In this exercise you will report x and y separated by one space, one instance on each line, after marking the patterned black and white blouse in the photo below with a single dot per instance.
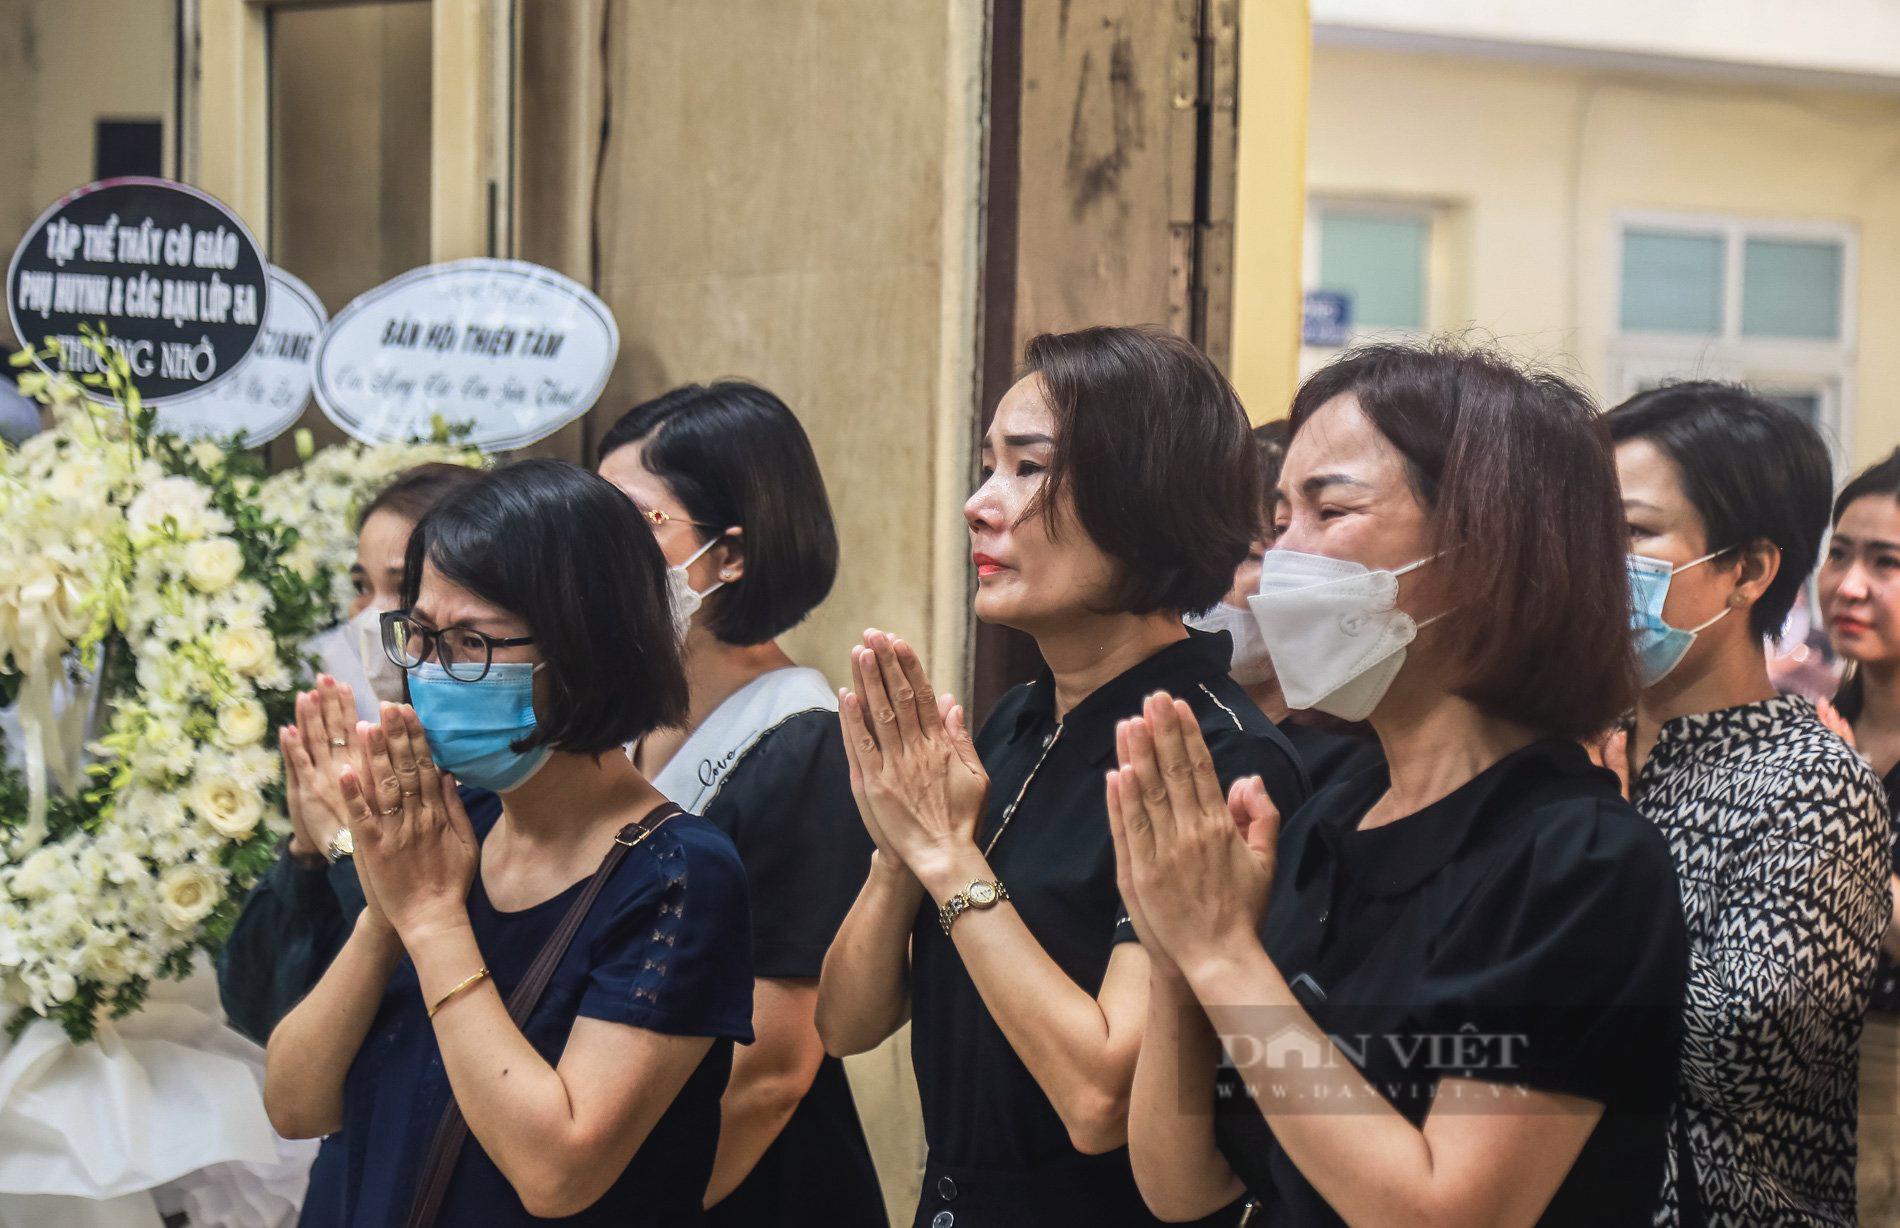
1780 836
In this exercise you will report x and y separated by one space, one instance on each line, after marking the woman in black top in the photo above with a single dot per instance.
991 917
1448 991
727 480
1859 590
537 637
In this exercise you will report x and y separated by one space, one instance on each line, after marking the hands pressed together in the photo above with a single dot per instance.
914 770
314 749
416 852
1195 868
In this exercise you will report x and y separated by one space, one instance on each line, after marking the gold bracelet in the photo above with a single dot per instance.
444 1000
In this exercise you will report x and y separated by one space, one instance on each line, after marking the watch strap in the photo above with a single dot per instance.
960 903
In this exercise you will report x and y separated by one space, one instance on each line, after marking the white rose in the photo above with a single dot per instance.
80 476
61 986
36 875
244 650
106 963
212 565
231 809
179 500
61 914
242 723
187 894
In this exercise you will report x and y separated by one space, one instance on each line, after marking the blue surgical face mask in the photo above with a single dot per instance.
472 726
1659 646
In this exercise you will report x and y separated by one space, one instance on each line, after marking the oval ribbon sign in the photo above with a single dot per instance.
509 349
173 275
268 393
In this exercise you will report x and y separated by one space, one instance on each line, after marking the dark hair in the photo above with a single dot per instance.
1880 480
736 455
1753 470
1270 440
1518 480
414 491
567 552
1153 447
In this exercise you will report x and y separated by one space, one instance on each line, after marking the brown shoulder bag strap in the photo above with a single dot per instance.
452 1131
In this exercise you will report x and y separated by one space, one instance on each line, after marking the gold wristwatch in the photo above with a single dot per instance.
979 894
341 845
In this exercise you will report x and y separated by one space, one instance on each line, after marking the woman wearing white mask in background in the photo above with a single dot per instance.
1329 749
299 914
726 478
1779 831
1462 973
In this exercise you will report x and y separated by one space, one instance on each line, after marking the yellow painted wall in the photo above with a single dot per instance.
1535 161
65 64
1269 202
789 194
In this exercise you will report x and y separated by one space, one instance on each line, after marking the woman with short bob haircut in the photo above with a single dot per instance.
565 982
300 913
1450 571
1779 832
1112 475
724 475
1859 591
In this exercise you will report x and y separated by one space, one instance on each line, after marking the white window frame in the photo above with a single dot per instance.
1823 368
1432 213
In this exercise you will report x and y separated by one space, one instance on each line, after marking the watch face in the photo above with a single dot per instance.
982 894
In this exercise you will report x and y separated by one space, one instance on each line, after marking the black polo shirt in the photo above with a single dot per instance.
1525 930
999 1153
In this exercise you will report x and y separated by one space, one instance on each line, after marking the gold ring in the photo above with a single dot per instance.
412 792
339 741
392 810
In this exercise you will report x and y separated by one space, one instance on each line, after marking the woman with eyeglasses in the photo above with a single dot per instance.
991 919
298 915
726 478
533 1017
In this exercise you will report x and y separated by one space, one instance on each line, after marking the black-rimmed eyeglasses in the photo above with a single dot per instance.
463 652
